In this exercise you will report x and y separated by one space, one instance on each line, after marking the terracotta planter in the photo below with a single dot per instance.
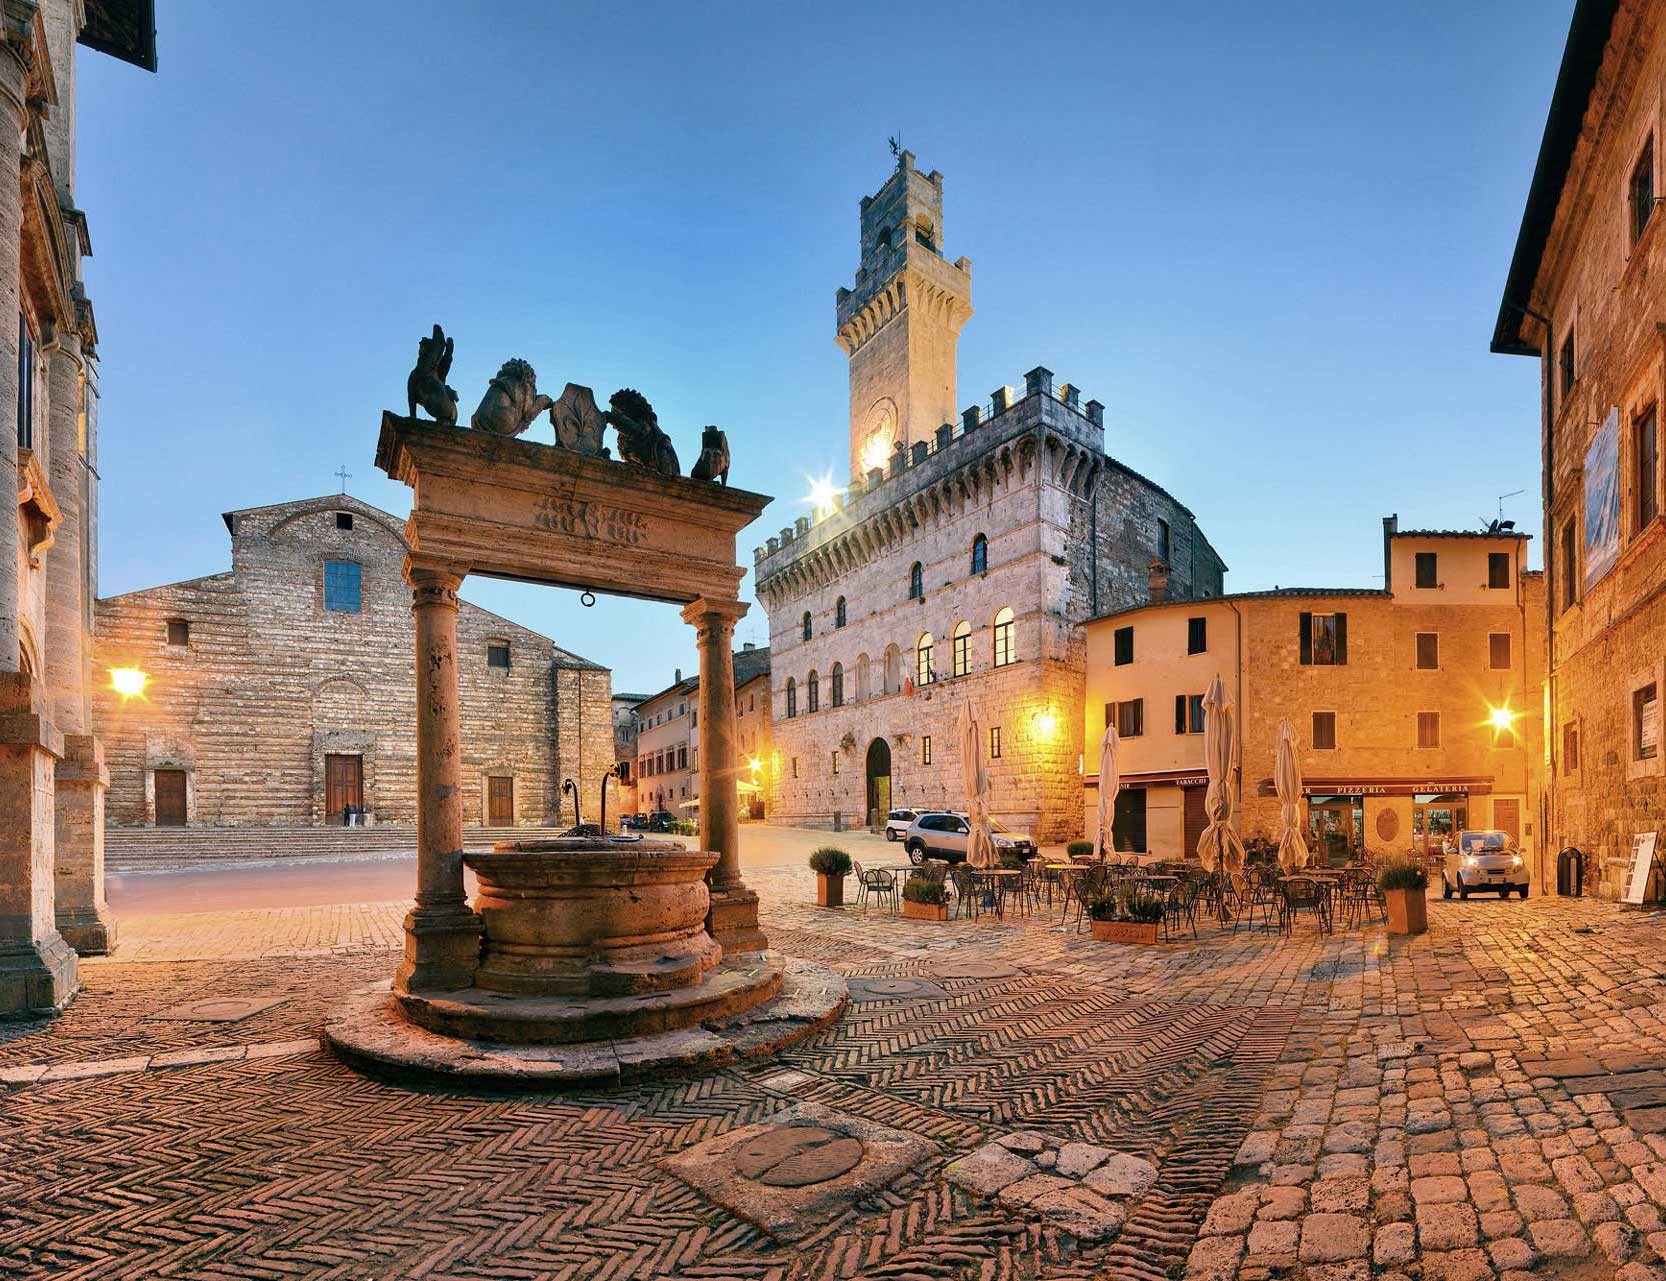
1124 931
925 911
1408 911
830 891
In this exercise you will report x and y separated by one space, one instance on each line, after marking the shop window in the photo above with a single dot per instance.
837 683
1188 713
839 612
925 671
1127 716
1123 641
1498 651
1570 748
179 631
1428 569
1645 723
1640 191
1006 651
1645 462
1322 639
916 582
497 654
980 554
961 648
1324 731
925 749
344 520
1498 569
1565 364
1197 635
341 586
994 742
1428 729
1570 564
1428 651
812 696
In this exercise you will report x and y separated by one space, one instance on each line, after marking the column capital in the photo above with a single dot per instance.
724 614
433 585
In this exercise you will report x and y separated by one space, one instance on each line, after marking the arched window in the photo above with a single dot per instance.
838 691
1005 650
980 554
814 685
862 691
962 648
916 582
839 613
925 670
792 697
806 624
893 669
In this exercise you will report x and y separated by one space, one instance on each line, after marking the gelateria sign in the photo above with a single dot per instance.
1392 786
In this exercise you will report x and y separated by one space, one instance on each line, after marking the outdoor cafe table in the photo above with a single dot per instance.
999 881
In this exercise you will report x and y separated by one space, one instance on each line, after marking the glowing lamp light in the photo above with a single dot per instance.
129 682
1045 724
1502 718
756 764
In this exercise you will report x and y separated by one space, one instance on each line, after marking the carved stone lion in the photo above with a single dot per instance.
640 439
426 385
511 401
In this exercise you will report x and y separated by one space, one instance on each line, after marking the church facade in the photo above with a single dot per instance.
282 692
959 564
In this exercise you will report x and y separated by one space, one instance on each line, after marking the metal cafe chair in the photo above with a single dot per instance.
1304 894
879 883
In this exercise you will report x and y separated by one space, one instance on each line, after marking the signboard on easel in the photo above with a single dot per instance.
1642 862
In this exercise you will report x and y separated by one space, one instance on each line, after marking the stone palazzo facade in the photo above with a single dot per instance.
51 764
282 692
959 564
1586 295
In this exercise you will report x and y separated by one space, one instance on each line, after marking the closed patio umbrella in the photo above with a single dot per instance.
1109 785
1287 777
1219 843
980 844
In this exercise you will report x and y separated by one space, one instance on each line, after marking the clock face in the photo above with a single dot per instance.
879 433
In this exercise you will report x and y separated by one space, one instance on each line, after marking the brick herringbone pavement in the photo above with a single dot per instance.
284 1164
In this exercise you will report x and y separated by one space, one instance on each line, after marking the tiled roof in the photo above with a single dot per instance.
1459 533
1276 593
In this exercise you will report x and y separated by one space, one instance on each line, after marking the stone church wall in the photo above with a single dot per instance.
270 682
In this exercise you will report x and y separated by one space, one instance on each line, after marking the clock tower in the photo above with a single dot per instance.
900 323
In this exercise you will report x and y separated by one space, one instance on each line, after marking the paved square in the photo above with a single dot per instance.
219 1009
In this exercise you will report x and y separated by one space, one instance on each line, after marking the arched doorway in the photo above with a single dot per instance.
879 779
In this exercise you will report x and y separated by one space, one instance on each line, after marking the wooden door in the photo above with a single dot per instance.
1506 817
1194 819
170 798
500 802
343 785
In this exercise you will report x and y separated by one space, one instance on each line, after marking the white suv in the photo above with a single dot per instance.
945 835
896 823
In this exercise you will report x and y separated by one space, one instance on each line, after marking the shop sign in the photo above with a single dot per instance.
1392 787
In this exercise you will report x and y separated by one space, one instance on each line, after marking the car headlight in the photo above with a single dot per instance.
1515 863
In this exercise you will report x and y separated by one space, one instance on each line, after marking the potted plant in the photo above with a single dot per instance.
1404 884
1131 916
831 866
924 900
1080 849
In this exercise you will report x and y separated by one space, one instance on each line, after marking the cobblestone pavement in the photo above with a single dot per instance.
1487 1100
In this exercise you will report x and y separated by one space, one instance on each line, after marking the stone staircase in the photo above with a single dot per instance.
161 849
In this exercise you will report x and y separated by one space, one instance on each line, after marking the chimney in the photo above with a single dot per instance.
749 645
678 679
1391 527
1157 575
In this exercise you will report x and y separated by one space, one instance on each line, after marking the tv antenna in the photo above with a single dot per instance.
1500 525
896 145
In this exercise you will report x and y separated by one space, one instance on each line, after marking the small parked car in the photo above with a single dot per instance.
661 820
896 823
944 834
1483 860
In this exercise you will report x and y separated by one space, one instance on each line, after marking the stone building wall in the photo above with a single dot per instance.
270 682
666 759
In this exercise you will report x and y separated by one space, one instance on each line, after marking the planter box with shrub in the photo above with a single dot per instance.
924 900
831 866
1405 887
1131 915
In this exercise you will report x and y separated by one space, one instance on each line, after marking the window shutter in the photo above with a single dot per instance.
1139 716
1179 713
1110 715
1341 639
1305 641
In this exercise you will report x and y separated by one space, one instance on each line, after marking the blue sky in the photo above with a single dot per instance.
1270 238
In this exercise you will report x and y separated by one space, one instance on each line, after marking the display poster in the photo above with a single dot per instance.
1602 500
1637 874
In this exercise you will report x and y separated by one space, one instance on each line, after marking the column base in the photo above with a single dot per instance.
733 920
442 950
90 931
36 978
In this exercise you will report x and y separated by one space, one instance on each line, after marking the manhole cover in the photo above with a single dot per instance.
893 989
975 970
797 1156
219 1009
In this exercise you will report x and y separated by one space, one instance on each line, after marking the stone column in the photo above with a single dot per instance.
442 936
733 921
37 968
83 914
11 229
